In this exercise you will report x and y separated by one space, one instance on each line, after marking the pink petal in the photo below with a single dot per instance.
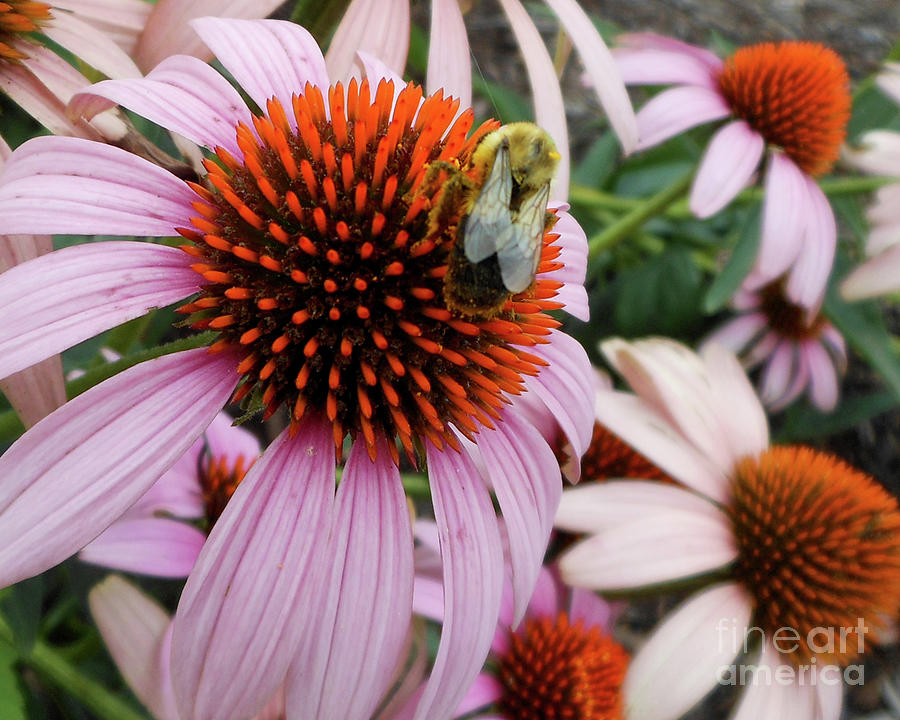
738 332
882 237
565 388
727 167
573 255
591 609
766 695
601 69
377 27
135 629
878 276
449 66
120 20
362 610
785 208
267 58
778 373
60 299
680 662
428 598
68 185
809 276
231 442
676 110
183 94
90 46
239 615
653 41
549 108
650 434
81 467
662 67
829 698
823 381
177 492
486 690
525 476
879 153
473 579
147 546
168 31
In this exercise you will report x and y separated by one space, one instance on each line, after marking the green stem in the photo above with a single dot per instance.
637 216
48 663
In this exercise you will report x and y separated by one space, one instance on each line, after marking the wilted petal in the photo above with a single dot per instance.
728 165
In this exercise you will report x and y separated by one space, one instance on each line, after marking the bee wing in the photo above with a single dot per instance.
490 213
519 245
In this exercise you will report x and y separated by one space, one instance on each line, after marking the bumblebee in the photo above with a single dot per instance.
505 187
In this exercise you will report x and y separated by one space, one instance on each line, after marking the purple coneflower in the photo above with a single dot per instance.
313 256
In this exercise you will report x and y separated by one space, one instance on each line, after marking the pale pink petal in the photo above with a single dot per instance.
376 71
183 94
778 374
738 332
829 696
546 600
472 555
224 440
267 58
147 546
274 709
660 547
134 627
525 476
823 381
74 186
566 386
378 27
681 660
60 299
573 255
884 209
727 167
363 608
591 609
836 346
120 20
878 276
809 276
785 208
879 153
168 29
653 41
766 695
486 690
676 110
883 237
549 108
601 69
90 46
428 598
239 615
761 351
177 492
650 434
449 66
599 506
25 89
81 467
653 66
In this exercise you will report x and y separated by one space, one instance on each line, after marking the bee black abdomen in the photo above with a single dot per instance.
473 288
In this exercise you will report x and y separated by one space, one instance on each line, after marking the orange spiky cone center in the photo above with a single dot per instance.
796 95
323 252
17 18
608 456
559 670
819 550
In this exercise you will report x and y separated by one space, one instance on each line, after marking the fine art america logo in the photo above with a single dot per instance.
824 644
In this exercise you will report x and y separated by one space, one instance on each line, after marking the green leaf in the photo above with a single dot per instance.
12 702
804 422
872 109
738 266
507 105
598 162
21 608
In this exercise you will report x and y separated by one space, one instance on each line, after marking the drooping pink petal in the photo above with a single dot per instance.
591 609
653 66
267 58
785 207
363 608
183 94
135 629
148 546
549 109
449 66
428 598
168 31
565 387
69 185
90 45
81 467
473 579
835 344
486 690
120 20
64 297
823 381
878 276
525 476
654 41
573 255
728 165
378 27
808 277
829 696
226 441
177 492
681 660
883 237
778 373
738 332
601 69
675 110
239 615
375 70
767 695
650 434
879 153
